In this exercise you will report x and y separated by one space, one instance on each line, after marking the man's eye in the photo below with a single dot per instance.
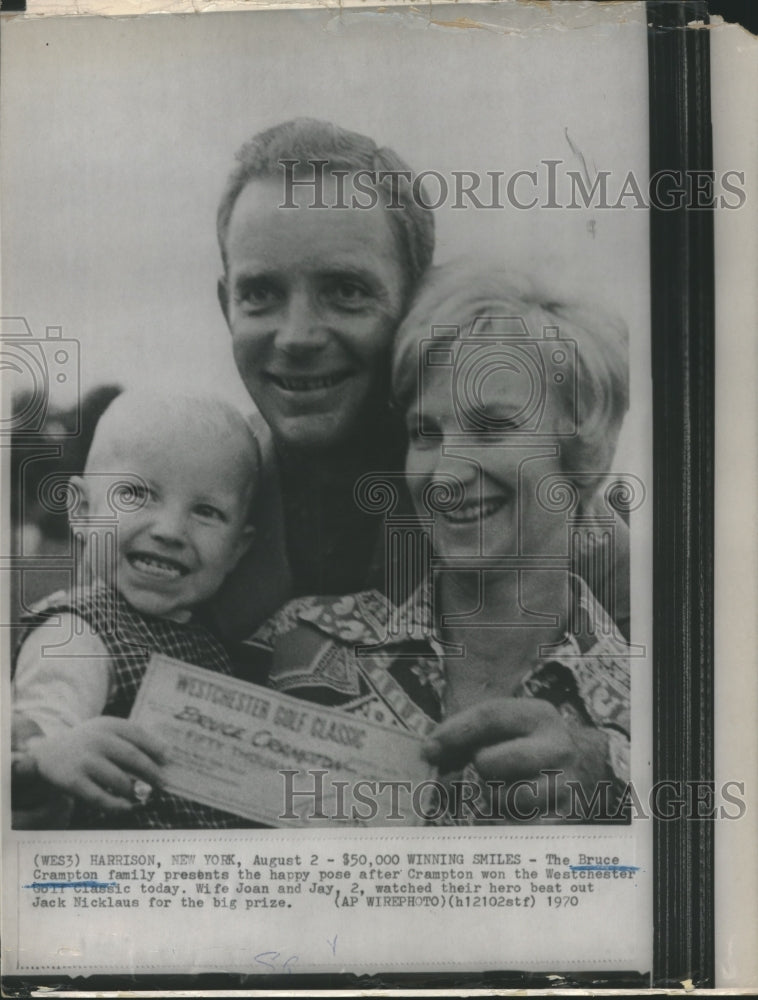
346 293
258 295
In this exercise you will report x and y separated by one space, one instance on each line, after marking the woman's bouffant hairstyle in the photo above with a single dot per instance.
306 140
462 292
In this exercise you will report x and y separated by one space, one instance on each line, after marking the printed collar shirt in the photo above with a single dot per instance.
386 664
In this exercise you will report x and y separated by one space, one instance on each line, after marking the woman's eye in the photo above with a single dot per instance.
423 436
425 427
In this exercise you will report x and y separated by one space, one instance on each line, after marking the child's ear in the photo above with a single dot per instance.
222 291
246 540
80 503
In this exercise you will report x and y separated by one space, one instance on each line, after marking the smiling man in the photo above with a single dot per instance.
312 297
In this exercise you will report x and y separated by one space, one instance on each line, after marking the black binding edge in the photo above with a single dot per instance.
682 287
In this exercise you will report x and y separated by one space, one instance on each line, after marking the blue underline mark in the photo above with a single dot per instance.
604 868
86 884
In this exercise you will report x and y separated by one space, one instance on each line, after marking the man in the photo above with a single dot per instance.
323 244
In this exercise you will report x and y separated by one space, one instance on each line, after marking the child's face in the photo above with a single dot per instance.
174 552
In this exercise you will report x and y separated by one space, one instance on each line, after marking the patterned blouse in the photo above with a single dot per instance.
386 664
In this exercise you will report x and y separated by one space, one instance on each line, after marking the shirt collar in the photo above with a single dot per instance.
368 617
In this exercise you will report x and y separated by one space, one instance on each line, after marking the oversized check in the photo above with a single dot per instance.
273 758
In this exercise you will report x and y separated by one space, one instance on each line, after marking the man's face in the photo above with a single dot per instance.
312 298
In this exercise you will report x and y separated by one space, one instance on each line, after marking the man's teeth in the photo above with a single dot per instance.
475 510
156 567
303 383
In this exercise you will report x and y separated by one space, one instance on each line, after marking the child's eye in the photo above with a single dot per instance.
131 494
210 513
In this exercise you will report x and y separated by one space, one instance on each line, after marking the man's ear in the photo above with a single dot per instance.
222 290
80 502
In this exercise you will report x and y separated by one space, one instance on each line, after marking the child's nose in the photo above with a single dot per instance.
169 525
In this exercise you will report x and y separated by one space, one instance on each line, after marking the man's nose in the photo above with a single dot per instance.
301 328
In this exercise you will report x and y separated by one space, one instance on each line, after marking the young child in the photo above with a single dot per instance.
179 475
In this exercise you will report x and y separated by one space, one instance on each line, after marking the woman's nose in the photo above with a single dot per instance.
301 329
452 461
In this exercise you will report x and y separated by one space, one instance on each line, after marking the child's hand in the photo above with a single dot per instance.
100 760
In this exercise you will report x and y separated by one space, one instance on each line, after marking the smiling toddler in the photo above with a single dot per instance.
165 499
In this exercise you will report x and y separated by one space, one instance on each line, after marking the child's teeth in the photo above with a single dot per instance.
156 567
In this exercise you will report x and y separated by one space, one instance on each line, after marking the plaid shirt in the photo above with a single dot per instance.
130 638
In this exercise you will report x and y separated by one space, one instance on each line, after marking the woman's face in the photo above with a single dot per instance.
312 299
502 511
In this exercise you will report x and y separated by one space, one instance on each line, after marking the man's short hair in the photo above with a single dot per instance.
462 291
308 139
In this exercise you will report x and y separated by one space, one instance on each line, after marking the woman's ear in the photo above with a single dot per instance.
80 503
222 291
591 502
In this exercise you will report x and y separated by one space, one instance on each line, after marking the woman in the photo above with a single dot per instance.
513 405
